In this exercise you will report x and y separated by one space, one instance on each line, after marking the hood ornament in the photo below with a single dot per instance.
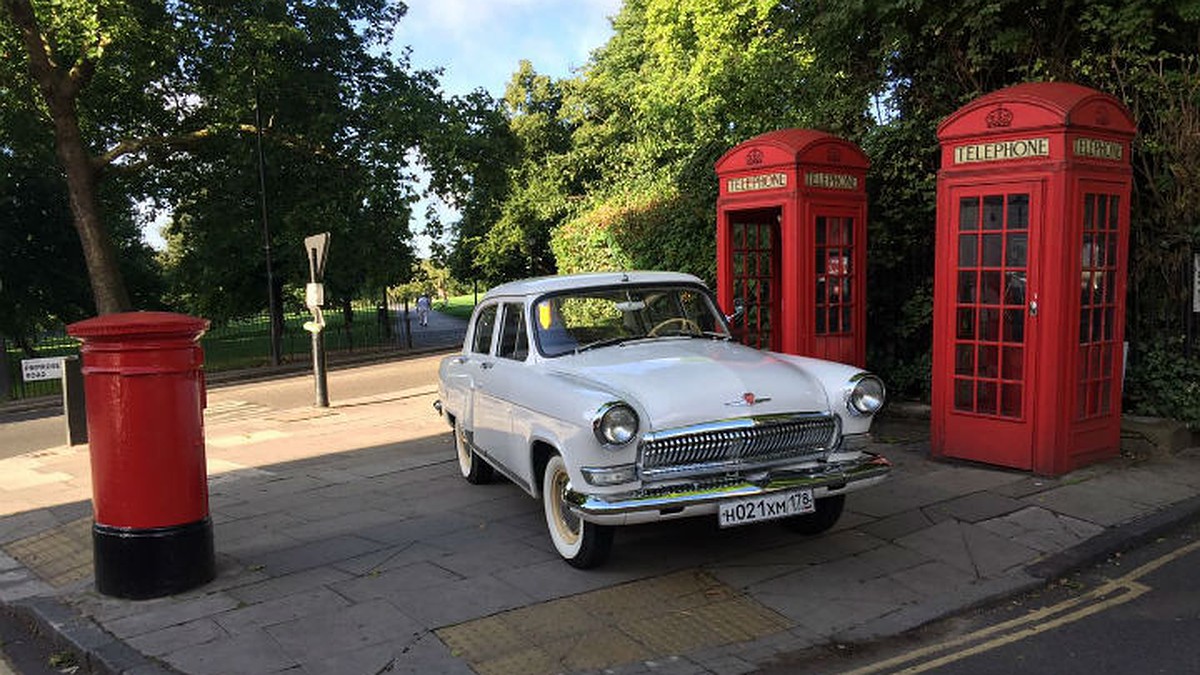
748 399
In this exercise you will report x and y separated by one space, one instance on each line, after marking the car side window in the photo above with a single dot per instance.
514 342
485 323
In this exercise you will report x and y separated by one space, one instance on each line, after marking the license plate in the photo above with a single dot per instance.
767 507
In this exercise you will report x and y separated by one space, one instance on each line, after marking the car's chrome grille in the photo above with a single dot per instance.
736 445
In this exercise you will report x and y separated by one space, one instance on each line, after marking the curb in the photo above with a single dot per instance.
95 650
1023 580
1120 538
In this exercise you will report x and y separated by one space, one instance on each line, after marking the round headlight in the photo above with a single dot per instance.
868 395
615 424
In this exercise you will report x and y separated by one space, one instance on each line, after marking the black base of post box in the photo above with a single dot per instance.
152 563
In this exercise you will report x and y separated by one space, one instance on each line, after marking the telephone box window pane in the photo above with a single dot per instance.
1101 213
1013 366
846 313
993 212
966 324
964 360
1015 251
992 245
1105 397
846 290
987 399
1086 297
1014 288
989 325
967 244
989 361
1108 324
1018 212
820 327
1089 212
989 288
821 230
968 213
848 231
1010 400
1113 212
964 395
967 287
1014 325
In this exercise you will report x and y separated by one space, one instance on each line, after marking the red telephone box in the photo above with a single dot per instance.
792 243
1029 290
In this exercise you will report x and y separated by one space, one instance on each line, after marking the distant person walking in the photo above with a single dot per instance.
423 307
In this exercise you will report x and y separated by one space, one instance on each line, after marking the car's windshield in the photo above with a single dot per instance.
588 318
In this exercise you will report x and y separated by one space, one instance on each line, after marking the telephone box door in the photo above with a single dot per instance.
837 245
754 254
1097 372
988 333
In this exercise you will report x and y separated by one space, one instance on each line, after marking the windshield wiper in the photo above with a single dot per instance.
604 342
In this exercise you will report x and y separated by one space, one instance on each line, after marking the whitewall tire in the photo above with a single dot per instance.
580 543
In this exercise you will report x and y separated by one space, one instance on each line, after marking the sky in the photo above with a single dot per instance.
480 42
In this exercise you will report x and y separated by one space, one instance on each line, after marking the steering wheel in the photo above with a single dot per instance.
685 325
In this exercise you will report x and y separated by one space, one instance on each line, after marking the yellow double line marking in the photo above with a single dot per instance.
1110 594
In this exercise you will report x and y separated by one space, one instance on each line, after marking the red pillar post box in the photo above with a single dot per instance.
1029 287
792 244
152 535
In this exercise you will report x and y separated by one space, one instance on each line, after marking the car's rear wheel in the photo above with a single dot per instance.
474 469
829 510
580 543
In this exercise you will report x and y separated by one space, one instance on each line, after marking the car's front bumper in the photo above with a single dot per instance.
642 507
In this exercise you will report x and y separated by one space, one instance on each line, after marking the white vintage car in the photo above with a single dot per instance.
621 398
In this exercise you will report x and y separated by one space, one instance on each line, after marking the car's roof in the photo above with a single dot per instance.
541 285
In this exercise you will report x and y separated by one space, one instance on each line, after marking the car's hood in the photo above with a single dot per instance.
677 382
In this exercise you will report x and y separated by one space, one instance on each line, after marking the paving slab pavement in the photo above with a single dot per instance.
347 543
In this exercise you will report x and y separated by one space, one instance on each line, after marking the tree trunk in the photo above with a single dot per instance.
108 286
60 88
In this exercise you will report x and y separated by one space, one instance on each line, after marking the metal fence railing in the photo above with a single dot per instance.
235 344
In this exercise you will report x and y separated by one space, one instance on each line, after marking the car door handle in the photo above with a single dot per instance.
486 365
458 360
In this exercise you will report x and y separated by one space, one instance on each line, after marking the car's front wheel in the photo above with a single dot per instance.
826 516
580 543
474 469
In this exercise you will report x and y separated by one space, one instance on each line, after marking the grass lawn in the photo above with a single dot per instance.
459 306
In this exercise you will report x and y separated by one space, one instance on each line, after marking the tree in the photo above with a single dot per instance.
469 155
62 62
143 88
924 61
678 85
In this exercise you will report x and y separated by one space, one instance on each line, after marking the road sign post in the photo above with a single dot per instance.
316 249
66 369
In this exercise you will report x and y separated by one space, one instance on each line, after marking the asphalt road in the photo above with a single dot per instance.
30 431
1137 612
